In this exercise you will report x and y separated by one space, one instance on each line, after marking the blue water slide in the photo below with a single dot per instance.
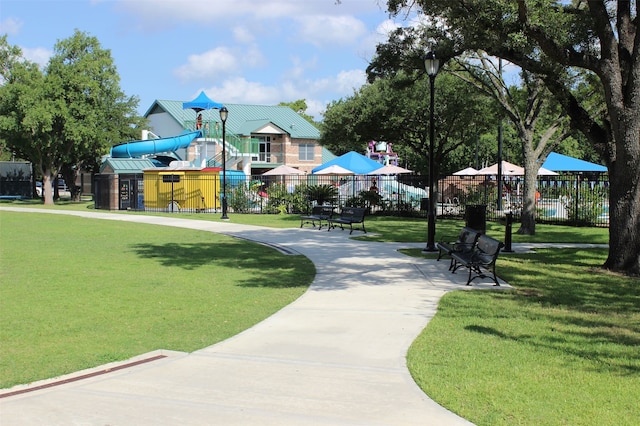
135 149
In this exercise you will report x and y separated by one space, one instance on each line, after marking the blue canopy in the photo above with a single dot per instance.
352 161
564 163
201 103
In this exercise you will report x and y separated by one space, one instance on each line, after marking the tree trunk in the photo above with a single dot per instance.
528 214
70 174
528 218
47 187
624 208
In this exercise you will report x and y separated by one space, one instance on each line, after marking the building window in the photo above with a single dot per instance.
265 148
306 152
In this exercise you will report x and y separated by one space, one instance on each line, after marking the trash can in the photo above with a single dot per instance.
424 204
475 216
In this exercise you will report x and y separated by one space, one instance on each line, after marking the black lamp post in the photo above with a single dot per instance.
224 113
431 64
499 177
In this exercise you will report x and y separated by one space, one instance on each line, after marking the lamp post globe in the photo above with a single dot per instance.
431 65
224 113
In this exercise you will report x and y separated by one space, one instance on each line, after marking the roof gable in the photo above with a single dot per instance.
244 119
125 165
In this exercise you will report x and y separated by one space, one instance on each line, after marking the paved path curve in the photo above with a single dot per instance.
335 356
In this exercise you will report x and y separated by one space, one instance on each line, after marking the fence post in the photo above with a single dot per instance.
577 202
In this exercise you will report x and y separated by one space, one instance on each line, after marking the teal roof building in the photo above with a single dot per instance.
258 138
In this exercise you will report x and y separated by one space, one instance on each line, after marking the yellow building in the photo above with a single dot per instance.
192 190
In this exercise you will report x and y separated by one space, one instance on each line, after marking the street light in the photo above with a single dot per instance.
224 113
431 64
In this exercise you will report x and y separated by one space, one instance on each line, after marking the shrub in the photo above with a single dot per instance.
240 200
322 194
298 200
589 205
278 198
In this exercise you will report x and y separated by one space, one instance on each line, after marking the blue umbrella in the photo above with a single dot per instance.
201 103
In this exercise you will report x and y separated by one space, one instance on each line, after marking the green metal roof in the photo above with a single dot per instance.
126 165
251 126
244 119
327 155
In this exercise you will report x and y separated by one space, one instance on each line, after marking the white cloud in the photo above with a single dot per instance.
239 90
39 55
316 108
319 93
299 67
253 56
347 81
379 35
277 38
150 12
315 92
342 84
223 10
328 30
10 26
213 63
243 35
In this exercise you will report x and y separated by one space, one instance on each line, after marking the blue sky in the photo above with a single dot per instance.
238 51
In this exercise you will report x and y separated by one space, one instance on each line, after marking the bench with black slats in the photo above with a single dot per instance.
481 258
349 216
318 214
466 242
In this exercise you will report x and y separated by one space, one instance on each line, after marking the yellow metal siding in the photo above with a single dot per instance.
197 190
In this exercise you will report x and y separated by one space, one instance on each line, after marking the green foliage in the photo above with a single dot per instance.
477 194
298 200
371 198
281 201
240 200
366 199
67 115
579 50
461 112
588 205
300 106
278 198
322 194
355 201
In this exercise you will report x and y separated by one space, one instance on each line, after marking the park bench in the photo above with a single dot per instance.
318 214
481 258
348 216
465 243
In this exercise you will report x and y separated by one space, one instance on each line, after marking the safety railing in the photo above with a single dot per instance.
574 199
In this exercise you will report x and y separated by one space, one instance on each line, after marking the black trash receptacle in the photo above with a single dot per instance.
424 204
476 217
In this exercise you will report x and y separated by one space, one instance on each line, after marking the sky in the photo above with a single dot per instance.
259 52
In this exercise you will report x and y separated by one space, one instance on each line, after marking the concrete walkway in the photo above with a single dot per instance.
336 356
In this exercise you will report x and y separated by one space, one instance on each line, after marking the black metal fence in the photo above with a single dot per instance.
16 179
569 199
577 199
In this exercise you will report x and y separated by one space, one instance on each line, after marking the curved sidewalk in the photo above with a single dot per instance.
335 356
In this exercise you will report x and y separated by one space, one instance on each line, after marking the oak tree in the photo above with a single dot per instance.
67 114
553 39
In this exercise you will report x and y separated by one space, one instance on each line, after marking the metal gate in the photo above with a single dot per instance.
131 193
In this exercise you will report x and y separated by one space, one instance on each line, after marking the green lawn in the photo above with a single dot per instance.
563 348
381 228
76 292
